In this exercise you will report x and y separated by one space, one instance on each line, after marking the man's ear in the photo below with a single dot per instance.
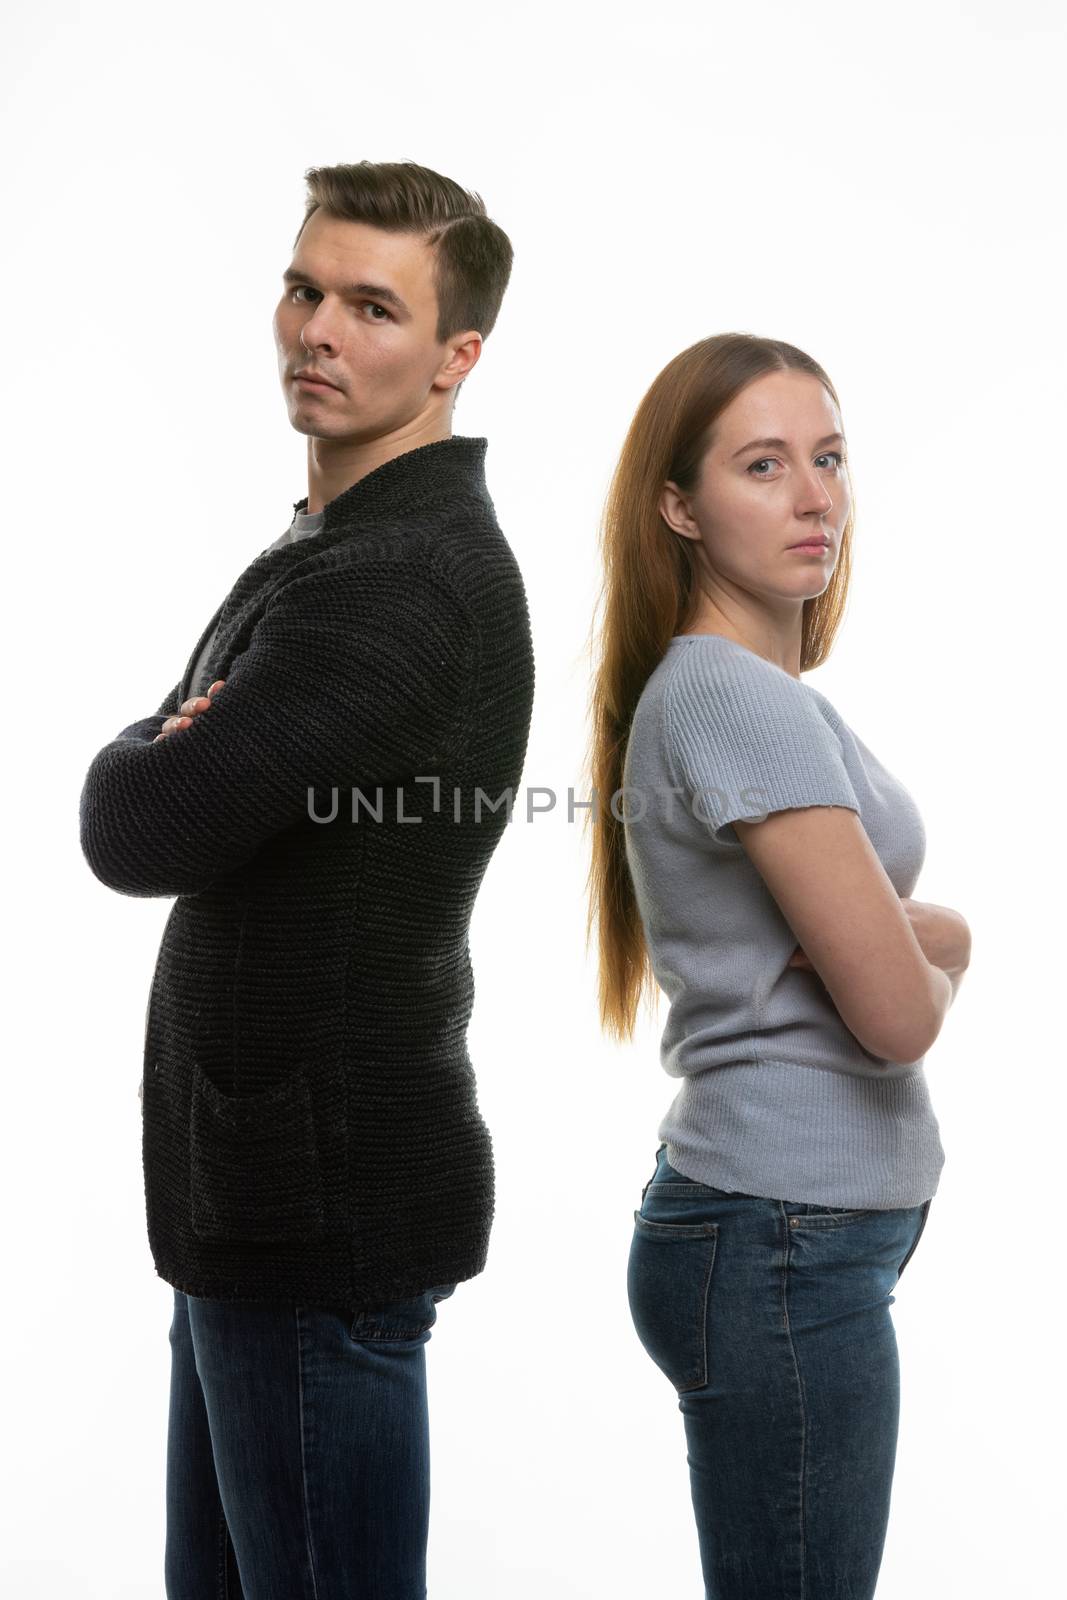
464 352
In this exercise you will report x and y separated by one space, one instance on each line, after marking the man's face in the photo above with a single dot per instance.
359 308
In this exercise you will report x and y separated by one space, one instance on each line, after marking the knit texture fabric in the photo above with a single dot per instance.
311 1129
778 1097
303 526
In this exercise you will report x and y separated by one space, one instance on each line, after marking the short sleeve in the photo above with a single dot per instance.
748 739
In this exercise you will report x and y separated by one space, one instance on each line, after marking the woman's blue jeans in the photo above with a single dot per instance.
771 1320
298 1450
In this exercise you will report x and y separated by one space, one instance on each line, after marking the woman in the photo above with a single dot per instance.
756 861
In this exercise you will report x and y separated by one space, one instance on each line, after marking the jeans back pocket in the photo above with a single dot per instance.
668 1277
924 1217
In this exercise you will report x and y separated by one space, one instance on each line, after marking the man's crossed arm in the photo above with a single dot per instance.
358 676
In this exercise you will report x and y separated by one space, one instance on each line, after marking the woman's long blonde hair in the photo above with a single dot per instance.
650 592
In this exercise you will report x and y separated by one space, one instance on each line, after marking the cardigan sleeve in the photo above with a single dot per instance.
353 677
148 727
748 739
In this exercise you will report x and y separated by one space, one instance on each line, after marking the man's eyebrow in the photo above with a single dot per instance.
378 291
782 444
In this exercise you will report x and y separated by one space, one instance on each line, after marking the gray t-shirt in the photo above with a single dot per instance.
778 1098
303 525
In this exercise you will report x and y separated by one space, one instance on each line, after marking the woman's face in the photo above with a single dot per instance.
773 476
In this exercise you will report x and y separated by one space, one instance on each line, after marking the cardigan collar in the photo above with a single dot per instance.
414 489
410 485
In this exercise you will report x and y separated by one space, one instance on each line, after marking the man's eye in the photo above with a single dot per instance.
304 288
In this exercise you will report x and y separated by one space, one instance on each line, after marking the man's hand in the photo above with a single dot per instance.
189 709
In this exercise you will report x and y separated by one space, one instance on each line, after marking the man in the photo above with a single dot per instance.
317 1172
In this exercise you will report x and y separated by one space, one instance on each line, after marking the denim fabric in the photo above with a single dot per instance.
770 1319
298 1450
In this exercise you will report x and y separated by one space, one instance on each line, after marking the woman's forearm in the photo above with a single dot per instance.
945 941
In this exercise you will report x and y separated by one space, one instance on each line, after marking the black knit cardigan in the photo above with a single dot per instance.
311 1129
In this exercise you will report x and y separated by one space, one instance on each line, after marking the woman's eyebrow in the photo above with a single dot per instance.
783 444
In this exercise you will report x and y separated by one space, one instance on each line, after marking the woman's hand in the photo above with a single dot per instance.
799 959
943 935
189 709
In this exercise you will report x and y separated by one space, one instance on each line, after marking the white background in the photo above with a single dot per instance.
880 185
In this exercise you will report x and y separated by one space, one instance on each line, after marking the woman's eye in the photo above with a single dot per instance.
837 455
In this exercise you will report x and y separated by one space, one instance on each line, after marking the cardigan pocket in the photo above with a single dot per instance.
254 1166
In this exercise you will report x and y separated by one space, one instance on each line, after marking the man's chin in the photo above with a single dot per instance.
320 428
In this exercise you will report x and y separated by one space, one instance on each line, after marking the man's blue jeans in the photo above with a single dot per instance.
298 1450
771 1320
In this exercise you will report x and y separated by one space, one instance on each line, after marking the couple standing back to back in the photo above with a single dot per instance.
321 794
